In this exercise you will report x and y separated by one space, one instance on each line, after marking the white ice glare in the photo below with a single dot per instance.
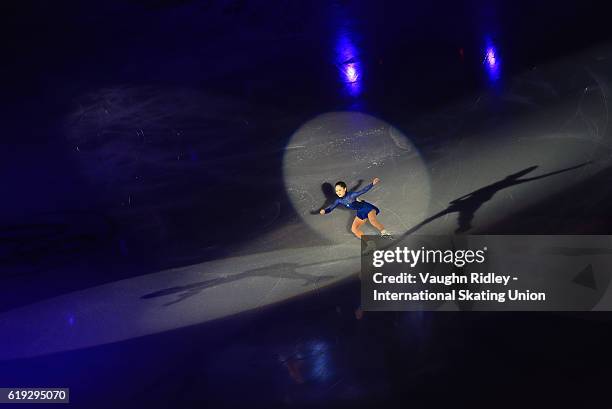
354 147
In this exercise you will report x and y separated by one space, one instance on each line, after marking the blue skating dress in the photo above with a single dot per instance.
350 201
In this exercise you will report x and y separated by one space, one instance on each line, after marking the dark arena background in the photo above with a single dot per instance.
164 163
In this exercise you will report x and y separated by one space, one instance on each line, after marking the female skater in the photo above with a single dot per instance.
365 211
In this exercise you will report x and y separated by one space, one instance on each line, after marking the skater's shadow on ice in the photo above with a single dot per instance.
467 205
279 270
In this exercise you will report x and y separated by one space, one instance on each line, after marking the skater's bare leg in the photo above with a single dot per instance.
374 221
356 227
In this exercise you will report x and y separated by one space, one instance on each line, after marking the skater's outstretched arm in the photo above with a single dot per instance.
365 189
330 208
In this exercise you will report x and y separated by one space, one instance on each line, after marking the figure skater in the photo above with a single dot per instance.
365 211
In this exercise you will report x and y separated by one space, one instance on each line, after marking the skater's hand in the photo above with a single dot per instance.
322 212
375 181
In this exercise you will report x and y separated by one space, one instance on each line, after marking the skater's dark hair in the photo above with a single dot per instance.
341 184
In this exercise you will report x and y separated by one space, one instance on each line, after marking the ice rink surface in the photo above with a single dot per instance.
459 186
165 161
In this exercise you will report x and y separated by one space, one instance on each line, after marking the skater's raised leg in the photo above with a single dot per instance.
356 227
374 222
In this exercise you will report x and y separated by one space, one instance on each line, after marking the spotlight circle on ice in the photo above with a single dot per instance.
354 147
